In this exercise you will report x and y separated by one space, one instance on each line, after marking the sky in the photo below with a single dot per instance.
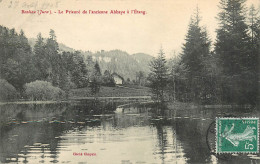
164 24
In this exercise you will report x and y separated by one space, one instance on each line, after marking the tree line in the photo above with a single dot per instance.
31 72
25 68
226 72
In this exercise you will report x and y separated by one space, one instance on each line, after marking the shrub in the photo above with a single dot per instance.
43 90
7 91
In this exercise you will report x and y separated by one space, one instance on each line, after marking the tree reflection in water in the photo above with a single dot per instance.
51 133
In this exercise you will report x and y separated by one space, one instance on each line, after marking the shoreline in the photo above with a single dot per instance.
33 102
73 99
148 99
191 105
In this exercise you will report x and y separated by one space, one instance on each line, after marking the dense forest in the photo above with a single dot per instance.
226 72
223 72
43 71
40 70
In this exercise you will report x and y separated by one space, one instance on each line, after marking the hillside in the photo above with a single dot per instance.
143 59
121 62
118 61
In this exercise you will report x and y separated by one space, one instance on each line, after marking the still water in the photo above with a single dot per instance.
110 132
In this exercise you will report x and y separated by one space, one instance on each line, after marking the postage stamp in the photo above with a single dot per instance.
237 135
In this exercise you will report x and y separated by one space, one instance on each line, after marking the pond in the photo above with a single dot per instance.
108 131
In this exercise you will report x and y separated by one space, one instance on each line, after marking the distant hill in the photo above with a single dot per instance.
122 63
118 61
143 59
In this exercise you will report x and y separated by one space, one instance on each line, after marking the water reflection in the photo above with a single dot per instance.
63 132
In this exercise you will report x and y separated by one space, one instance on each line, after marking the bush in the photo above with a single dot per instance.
43 90
7 91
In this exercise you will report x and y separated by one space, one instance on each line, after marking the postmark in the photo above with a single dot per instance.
237 135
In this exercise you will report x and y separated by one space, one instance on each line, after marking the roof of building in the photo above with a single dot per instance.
115 74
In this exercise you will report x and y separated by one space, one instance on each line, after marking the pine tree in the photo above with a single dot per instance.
159 76
235 53
75 69
24 59
108 79
83 72
177 85
254 33
15 55
252 73
54 58
40 59
140 77
195 51
232 38
96 79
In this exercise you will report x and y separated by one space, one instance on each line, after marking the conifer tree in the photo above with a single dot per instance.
159 76
96 79
254 33
232 38
235 51
195 51
15 55
40 58
54 58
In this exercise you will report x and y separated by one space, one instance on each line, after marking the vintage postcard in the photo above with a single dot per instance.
129 81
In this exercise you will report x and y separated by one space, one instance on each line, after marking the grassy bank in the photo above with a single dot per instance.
118 91
30 102
191 105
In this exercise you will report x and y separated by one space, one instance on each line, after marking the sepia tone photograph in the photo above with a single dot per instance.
129 81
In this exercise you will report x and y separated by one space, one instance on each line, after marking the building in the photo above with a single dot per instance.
118 79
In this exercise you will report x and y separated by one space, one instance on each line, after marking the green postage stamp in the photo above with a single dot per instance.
237 135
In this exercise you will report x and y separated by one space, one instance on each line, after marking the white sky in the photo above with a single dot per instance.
165 23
